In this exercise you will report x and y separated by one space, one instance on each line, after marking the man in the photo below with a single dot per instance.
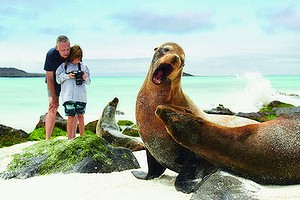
55 57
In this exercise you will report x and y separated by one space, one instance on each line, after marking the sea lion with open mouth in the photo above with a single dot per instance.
163 86
267 153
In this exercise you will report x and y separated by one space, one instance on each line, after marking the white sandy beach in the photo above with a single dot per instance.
117 185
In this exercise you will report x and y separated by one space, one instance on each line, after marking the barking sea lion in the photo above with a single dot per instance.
267 153
108 128
163 86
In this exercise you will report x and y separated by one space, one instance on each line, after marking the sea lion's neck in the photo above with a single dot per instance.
167 92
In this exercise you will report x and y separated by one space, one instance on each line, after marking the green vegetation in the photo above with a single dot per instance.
267 112
128 128
131 132
39 134
277 104
61 155
125 123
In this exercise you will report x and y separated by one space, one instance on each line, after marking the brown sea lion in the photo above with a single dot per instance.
267 153
163 86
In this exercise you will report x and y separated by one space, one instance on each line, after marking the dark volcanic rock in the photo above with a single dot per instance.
271 111
252 115
268 112
220 109
91 126
10 136
87 154
286 111
221 185
60 122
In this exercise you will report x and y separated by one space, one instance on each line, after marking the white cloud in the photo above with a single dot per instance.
282 19
214 33
177 23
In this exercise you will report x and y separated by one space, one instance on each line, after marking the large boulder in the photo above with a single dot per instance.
60 122
10 136
87 154
222 185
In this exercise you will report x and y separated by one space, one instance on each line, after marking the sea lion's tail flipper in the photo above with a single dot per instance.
194 173
155 169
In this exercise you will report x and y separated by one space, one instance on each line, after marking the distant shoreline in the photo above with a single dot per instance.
11 72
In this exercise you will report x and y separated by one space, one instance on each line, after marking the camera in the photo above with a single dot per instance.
78 77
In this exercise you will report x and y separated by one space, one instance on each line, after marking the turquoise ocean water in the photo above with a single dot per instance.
23 100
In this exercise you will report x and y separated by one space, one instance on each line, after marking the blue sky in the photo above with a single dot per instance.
219 37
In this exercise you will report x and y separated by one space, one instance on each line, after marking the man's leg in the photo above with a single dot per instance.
50 118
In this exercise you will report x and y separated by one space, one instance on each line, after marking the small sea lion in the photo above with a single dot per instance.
108 128
267 153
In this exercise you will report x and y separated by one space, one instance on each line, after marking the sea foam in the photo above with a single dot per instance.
256 91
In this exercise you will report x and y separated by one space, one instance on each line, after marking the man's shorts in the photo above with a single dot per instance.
73 108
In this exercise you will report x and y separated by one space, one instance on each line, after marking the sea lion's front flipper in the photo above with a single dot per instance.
194 172
155 169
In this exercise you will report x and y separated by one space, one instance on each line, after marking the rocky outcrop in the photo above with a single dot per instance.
271 111
268 112
221 185
60 122
10 136
87 154
286 111
13 72
220 109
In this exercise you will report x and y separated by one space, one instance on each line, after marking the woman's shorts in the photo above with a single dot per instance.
73 108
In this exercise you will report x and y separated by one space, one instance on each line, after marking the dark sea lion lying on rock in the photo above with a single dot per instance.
108 128
267 153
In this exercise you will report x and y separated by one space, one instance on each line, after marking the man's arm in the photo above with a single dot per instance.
50 84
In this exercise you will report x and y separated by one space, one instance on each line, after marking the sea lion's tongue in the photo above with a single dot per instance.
158 76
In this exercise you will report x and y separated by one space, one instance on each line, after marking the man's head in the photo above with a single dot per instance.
63 46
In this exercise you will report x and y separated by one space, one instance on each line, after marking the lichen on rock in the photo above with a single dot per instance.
87 154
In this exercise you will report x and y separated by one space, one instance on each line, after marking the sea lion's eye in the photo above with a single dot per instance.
166 49
155 48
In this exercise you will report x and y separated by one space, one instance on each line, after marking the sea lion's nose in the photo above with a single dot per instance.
176 58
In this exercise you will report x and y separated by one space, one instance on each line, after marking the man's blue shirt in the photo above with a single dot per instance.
52 62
